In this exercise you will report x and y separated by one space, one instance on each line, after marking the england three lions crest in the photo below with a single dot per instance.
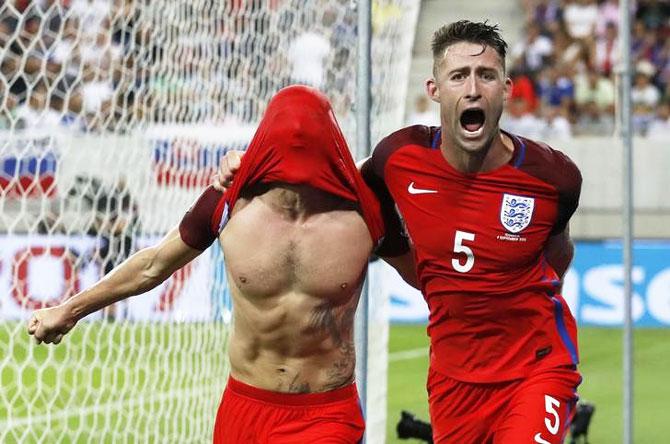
516 212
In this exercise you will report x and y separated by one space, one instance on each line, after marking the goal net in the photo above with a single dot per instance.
113 117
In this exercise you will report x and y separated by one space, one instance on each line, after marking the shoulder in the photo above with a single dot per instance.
551 166
416 135
201 224
345 223
410 135
558 171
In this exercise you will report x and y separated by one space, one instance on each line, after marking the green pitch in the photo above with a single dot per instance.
601 356
161 370
162 381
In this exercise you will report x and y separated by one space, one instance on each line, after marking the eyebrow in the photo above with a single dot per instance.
480 69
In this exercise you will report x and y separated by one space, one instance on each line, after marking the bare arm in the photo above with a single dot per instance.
406 267
404 264
140 273
559 252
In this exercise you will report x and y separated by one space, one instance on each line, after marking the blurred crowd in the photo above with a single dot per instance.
110 64
68 62
564 69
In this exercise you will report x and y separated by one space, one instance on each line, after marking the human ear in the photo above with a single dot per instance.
432 90
508 89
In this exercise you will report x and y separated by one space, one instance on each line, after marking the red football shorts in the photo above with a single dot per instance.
251 415
537 409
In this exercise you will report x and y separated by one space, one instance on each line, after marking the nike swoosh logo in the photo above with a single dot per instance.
539 439
413 190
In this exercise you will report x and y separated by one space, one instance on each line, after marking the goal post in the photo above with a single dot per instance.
113 116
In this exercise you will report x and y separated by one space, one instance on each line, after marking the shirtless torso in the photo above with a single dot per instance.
295 286
295 257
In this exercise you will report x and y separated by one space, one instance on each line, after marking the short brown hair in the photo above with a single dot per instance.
471 32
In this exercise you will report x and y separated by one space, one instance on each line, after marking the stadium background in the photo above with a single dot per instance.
113 114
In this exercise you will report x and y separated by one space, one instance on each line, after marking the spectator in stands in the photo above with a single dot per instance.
117 218
99 58
663 76
7 108
97 94
607 51
659 127
51 12
341 60
6 30
567 51
653 13
592 87
523 87
546 13
608 13
531 53
343 42
650 48
423 113
98 51
555 88
580 18
638 36
556 125
92 13
23 61
592 121
343 109
124 18
36 114
308 53
518 120
65 62
644 95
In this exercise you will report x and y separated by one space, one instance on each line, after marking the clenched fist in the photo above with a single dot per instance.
50 324
230 164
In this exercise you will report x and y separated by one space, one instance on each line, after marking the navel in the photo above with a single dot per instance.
243 280
344 286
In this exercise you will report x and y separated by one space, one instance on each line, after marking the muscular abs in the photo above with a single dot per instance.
295 275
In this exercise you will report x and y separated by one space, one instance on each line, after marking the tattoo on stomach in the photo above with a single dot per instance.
298 387
336 322
343 368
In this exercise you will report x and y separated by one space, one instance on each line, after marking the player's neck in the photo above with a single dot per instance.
494 155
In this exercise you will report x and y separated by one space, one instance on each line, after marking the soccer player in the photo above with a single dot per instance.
487 213
295 284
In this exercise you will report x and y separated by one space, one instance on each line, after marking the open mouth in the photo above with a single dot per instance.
472 120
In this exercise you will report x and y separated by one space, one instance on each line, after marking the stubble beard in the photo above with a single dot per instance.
480 150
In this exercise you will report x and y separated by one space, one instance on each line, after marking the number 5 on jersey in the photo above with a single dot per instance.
460 248
551 405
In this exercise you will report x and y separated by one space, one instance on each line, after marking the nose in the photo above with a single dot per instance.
472 88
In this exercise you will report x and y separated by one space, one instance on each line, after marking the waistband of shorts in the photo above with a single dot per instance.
293 399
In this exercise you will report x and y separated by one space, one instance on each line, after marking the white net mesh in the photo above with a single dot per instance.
113 116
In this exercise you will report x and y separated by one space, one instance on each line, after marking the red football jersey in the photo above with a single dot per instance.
298 142
495 313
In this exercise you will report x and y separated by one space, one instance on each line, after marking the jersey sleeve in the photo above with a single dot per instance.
199 226
569 189
556 169
395 242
